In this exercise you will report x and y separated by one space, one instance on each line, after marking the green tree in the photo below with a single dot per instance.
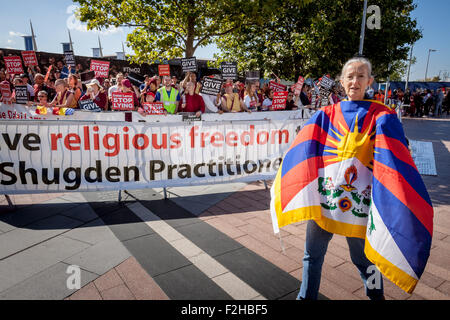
319 37
173 28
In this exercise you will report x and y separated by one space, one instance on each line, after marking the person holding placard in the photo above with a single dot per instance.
191 77
40 85
292 101
251 100
128 87
169 96
17 82
97 94
192 102
75 90
267 103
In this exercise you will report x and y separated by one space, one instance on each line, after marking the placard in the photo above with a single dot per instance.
5 89
211 86
229 70
190 116
70 58
136 79
164 70
21 93
189 64
122 101
277 87
29 58
252 75
13 65
298 86
89 105
279 100
101 68
153 107
87 76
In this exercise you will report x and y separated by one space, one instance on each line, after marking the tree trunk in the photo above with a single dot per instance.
190 37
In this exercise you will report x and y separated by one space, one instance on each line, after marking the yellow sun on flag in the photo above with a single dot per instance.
353 144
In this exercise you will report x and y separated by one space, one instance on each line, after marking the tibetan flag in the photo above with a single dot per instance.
350 170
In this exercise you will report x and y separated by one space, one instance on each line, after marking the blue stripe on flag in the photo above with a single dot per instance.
410 235
410 174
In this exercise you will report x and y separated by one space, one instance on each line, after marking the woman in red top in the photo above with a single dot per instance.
96 93
192 102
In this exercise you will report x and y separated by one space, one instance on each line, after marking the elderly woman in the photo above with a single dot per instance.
97 94
349 172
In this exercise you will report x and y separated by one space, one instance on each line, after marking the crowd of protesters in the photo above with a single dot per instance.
185 95
418 103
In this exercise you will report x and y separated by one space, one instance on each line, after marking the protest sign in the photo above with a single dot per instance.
153 107
325 89
135 79
190 116
211 86
87 76
13 65
89 105
279 100
64 73
164 70
6 92
101 68
277 87
21 94
29 58
70 58
298 86
252 75
228 70
122 101
189 64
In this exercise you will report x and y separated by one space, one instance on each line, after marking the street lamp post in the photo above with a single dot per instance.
428 60
363 29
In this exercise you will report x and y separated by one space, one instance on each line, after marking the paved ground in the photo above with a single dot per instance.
205 242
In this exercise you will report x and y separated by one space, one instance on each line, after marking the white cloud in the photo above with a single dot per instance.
74 24
16 34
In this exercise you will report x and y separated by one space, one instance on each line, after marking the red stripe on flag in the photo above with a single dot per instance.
313 132
396 147
402 190
334 113
300 176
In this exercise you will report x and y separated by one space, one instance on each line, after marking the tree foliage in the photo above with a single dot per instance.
319 37
173 28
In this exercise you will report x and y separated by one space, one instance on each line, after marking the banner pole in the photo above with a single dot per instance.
120 195
165 193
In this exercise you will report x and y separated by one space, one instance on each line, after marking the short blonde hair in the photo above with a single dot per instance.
362 60
61 82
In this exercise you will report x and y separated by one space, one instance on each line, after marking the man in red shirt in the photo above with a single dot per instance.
192 102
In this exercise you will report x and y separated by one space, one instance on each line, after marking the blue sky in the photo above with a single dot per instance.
51 20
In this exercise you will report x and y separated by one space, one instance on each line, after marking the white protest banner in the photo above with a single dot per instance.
13 65
101 68
228 70
29 58
211 86
189 64
277 87
122 101
63 156
21 94
279 100
153 107
10 112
